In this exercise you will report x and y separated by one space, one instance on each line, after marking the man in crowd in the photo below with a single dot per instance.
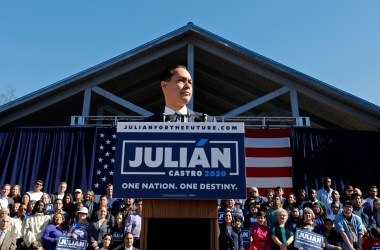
109 193
133 224
36 193
7 236
272 211
324 194
254 196
78 196
128 242
348 191
279 191
269 196
313 200
5 201
350 227
365 215
62 186
368 203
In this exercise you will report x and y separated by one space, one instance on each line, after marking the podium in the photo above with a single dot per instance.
180 170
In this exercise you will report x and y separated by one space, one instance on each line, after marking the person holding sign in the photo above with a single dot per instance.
176 85
282 237
79 230
53 231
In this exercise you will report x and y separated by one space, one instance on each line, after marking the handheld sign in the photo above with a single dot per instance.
180 160
308 240
68 243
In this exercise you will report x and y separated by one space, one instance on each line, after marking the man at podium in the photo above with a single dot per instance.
176 85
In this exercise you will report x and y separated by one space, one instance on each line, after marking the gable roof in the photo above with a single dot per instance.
229 80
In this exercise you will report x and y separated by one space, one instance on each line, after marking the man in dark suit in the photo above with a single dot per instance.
176 85
7 236
128 241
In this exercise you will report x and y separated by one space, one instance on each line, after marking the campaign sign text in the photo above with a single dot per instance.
68 243
246 235
180 160
308 240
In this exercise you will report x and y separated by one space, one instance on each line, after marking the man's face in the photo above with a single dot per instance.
128 202
254 192
349 191
139 206
62 188
347 210
373 192
5 191
78 196
109 191
313 195
58 204
279 192
335 195
270 196
128 240
230 203
178 89
37 187
5 223
22 210
357 201
327 183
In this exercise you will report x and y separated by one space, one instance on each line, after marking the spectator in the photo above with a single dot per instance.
319 216
99 228
229 234
79 230
89 202
302 198
53 231
372 240
58 209
290 203
266 205
365 214
36 193
68 207
376 211
107 242
78 196
103 202
25 198
346 196
110 198
5 201
35 225
260 234
335 208
230 204
128 242
17 222
325 194
308 222
250 218
9 238
369 202
313 200
15 193
15 209
133 224
279 191
332 238
294 219
281 236
349 226
118 229
62 186
126 206
254 196
272 217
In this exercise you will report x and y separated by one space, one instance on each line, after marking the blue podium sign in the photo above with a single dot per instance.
180 160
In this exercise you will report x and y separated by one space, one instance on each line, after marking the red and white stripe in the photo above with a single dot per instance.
268 159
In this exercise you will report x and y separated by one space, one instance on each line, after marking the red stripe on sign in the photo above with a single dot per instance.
267 133
268 152
269 172
262 191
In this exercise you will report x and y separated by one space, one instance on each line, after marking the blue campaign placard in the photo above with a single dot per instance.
180 160
246 235
308 240
68 243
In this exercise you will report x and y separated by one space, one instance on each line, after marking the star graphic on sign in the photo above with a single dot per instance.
101 147
96 185
100 159
108 142
112 160
107 154
98 172
113 148
105 166
111 172
102 135
114 136
104 179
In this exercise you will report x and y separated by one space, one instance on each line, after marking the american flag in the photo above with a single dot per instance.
104 159
268 159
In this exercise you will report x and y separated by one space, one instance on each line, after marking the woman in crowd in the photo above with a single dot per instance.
281 236
107 242
260 234
68 206
319 216
103 202
15 193
250 218
35 225
14 209
302 198
229 234
308 221
46 198
31 205
89 202
332 238
79 229
53 231
118 229
99 228
290 203
17 223
376 211
294 219
25 198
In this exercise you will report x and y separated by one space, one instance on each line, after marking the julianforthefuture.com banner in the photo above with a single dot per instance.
180 160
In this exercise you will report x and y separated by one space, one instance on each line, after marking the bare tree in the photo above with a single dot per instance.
8 95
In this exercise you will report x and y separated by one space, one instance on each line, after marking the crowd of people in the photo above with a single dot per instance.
344 220
36 220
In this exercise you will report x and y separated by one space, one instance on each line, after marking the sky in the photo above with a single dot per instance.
337 42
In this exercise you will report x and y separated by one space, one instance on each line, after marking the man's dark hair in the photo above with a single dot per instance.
39 180
355 195
168 73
